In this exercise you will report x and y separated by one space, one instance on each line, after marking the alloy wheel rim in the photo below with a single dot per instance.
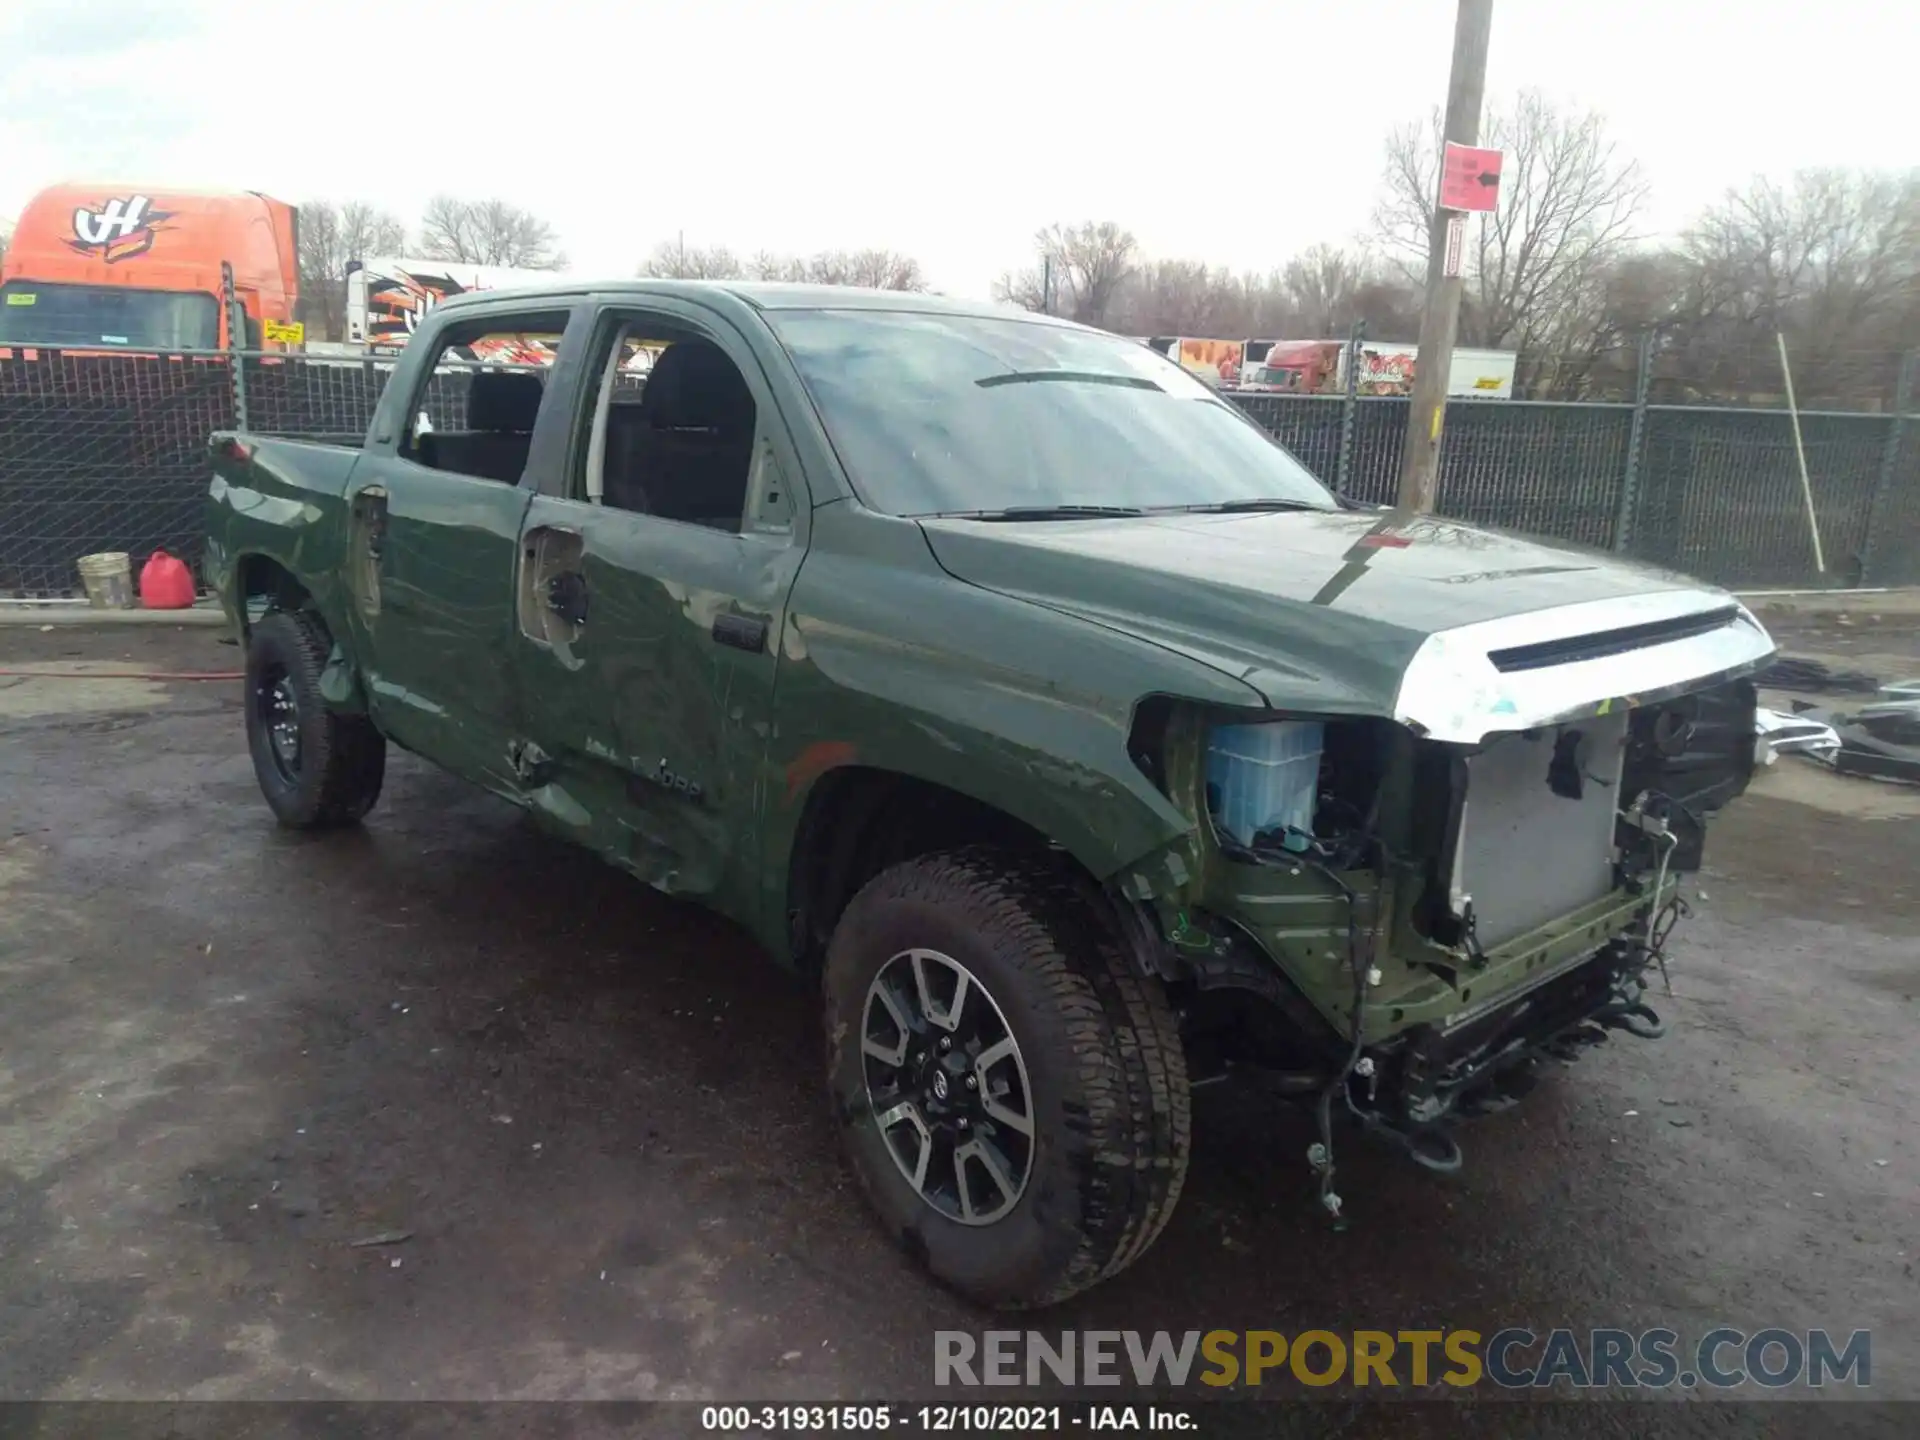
947 1086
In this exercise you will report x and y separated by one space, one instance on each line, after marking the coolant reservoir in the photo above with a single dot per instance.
1264 777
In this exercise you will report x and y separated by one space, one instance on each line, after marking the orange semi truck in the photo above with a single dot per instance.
128 267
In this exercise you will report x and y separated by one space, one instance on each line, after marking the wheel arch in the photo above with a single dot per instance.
856 819
258 576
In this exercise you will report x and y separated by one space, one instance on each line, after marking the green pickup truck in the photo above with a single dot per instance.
1024 695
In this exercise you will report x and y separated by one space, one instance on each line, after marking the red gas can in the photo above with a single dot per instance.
165 583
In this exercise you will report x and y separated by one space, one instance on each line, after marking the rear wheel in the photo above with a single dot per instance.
1011 1091
316 766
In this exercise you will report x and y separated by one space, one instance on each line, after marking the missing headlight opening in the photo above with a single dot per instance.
1403 930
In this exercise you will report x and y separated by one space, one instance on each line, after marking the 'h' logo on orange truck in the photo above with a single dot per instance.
118 230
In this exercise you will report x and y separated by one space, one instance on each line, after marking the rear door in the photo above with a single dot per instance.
655 572
435 510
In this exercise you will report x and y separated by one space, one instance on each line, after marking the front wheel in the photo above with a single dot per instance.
1011 1091
317 767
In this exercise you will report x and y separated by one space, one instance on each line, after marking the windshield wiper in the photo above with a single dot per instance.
1039 512
1077 377
1244 507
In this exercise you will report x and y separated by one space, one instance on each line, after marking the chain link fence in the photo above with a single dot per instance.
102 452
109 452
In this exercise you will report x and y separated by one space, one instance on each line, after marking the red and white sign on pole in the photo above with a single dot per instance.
1469 178
1450 266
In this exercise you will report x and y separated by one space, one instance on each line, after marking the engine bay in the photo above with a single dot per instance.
1448 916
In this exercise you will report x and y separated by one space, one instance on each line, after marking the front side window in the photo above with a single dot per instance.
106 317
942 414
674 432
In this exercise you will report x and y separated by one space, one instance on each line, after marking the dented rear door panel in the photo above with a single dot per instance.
432 555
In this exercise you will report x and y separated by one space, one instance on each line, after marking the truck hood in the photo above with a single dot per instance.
1454 630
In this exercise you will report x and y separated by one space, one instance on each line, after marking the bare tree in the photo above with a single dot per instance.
676 260
488 232
1316 295
1830 259
331 235
1390 305
1182 297
766 265
1082 271
1568 202
1324 283
875 269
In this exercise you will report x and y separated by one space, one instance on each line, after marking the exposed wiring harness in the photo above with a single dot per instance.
1650 815
1320 1155
1328 860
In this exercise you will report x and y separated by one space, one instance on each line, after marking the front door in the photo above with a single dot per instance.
652 600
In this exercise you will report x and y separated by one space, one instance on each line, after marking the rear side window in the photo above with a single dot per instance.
475 410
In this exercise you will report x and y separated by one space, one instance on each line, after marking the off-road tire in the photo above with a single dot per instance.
342 758
1111 1111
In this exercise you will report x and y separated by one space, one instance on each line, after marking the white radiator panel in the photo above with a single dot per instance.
1525 854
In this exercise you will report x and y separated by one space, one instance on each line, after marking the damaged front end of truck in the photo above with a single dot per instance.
1400 916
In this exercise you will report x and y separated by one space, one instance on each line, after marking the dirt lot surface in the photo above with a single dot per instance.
227 1054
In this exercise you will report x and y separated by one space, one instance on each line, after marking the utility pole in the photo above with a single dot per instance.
1420 457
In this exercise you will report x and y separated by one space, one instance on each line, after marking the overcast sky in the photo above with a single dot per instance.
1232 132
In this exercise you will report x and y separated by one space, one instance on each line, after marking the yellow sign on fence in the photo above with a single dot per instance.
284 332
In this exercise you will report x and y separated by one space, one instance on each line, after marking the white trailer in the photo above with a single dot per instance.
1481 374
387 296
1388 369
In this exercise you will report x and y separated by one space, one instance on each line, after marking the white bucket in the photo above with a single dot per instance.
108 577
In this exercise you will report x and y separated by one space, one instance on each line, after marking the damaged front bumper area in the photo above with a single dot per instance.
1489 877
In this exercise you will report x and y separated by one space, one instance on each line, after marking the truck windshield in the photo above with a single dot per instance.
933 414
97 317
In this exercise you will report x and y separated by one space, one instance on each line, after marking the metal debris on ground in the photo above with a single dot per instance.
385 1237
1793 735
1815 677
1882 741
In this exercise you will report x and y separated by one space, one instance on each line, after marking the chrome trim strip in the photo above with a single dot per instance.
1452 692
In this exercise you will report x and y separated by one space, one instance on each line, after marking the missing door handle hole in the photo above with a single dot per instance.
567 596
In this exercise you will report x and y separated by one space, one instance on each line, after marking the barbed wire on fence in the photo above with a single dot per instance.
109 452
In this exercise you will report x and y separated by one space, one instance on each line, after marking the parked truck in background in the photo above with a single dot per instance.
1028 699
1217 362
1319 367
388 297
130 267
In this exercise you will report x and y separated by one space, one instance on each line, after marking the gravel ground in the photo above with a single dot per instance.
228 1053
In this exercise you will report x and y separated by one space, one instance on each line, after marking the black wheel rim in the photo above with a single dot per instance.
277 708
948 1086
